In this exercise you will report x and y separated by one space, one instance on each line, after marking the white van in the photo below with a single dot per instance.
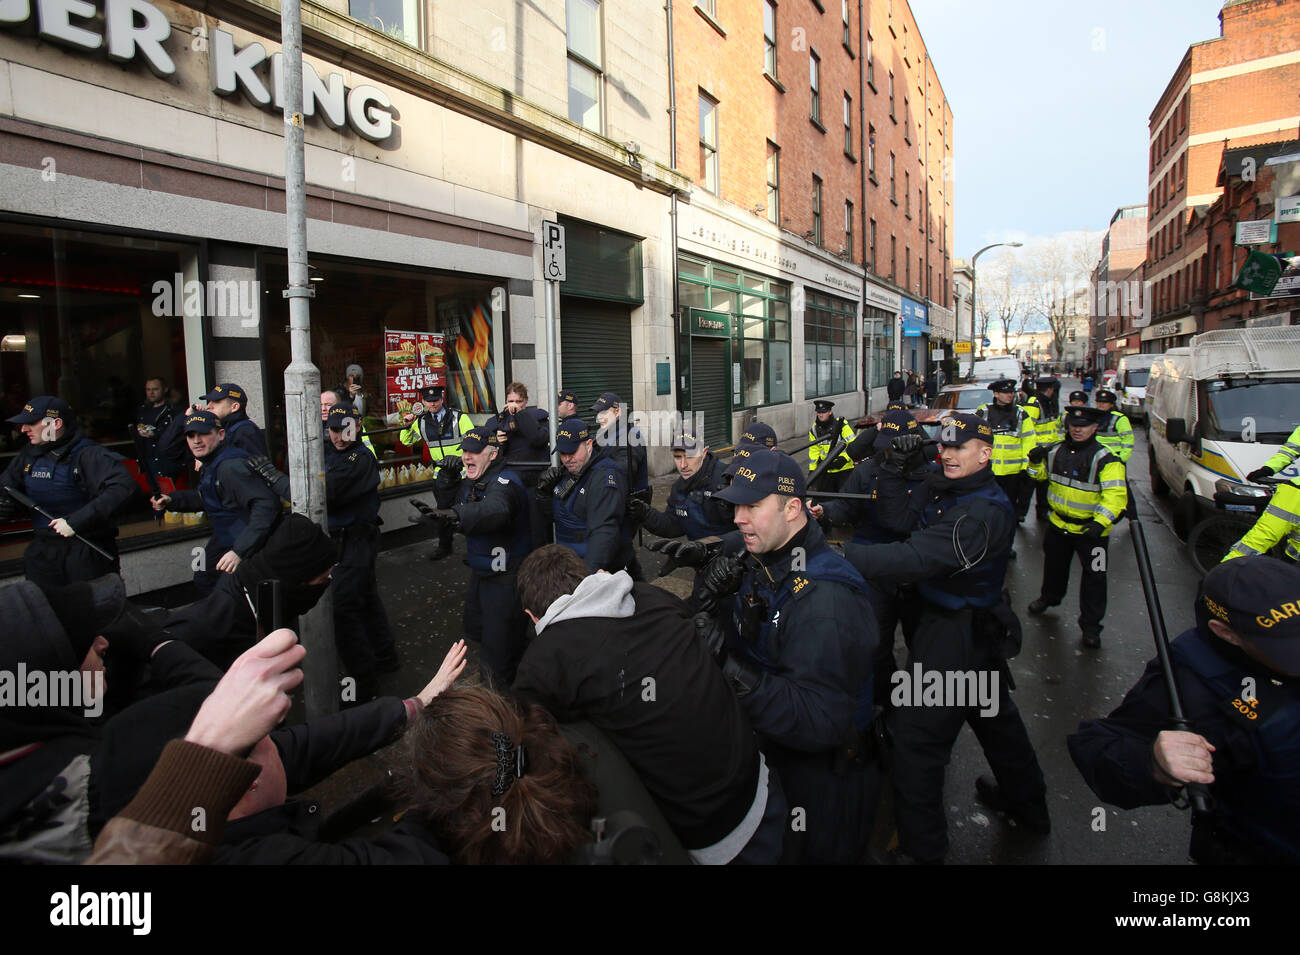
994 368
1218 409
1131 383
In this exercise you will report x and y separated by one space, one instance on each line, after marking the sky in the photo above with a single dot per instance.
1050 103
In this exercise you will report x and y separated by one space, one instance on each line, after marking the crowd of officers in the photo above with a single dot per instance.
802 635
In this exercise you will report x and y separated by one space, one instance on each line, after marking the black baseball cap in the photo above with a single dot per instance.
894 424
955 430
202 422
689 442
1105 394
1259 598
606 401
476 439
895 406
339 415
760 473
1079 415
1003 384
571 433
433 392
1079 396
566 395
759 434
41 407
228 390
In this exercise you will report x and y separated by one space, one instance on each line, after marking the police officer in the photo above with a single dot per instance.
1115 432
794 632
151 420
1087 492
758 434
1047 430
622 439
365 641
826 430
440 428
80 483
523 437
328 399
1013 438
566 404
1279 522
489 505
1239 673
240 507
875 524
588 497
960 622
227 402
1285 457
1078 399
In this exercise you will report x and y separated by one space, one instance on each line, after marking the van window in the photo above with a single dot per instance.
1136 378
1235 407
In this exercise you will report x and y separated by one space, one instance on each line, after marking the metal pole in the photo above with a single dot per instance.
552 365
302 378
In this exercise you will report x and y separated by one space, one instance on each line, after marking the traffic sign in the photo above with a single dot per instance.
985 343
553 264
1103 351
961 348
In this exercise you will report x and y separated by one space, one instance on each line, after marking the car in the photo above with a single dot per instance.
962 398
928 418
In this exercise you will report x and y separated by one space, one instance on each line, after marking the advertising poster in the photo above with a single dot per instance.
466 326
412 360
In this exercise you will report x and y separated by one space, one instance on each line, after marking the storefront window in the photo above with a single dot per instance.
760 337
878 346
830 352
398 18
450 319
89 317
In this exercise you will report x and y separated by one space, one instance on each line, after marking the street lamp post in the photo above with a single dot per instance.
974 282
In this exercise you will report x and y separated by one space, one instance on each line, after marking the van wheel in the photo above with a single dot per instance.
1158 486
1185 514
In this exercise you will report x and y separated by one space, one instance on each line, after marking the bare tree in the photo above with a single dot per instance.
1056 269
1002 300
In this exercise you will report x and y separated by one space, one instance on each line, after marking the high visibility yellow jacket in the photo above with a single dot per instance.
441 442
1286 454
820 450
1117 435
1280 521
1011 446
1086 484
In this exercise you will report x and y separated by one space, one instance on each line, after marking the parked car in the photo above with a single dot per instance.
964 397
1217 410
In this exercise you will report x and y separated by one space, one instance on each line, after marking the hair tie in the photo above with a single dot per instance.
511 763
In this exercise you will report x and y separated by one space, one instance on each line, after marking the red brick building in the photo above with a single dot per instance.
1236 89
1117 288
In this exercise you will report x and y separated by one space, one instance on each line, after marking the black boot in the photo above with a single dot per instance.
1033 816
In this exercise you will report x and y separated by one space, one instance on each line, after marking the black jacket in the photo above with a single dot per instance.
147 450
648 682
667 523
248 436
527 438
895 388
102 475
241 492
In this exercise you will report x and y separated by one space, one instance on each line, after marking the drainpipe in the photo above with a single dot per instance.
672 209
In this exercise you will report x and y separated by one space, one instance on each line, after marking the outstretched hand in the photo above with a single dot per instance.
453 664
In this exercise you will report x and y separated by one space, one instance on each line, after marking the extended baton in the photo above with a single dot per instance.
1197 793
836 449
27 502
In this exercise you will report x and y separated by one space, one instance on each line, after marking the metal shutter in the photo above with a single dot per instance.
595 351
709 389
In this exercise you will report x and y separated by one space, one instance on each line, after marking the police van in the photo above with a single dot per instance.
1218 409
1131 383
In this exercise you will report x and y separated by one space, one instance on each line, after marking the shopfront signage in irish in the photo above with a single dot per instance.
137 30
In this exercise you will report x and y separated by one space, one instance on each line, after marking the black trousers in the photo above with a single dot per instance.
494 618
1041 507
887 603
923 735
831 481
53 561
1013 486
1094 552
361 630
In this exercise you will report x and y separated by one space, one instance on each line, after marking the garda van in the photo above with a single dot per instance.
995 367
1131 383
1218 409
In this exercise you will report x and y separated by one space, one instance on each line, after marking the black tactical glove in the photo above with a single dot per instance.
722 576
448 518
548 479
903 450
1037 454
452 464
261 465
707 629
1260 473
637 509
1093 530
685 553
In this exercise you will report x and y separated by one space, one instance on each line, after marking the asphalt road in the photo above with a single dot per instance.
1059 682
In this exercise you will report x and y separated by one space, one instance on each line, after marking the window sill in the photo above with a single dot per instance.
710 21
872 84
852 158
872 176
818 5
849 50
774 81
893 119
816 122
893 200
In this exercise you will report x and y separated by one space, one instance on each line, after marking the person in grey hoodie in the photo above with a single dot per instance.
626 657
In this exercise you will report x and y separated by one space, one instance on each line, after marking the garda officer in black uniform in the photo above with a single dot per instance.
489 505
623 441
227 403
151 421
1238 671
588 497
80 483
241 508
792 627
957 559
874 524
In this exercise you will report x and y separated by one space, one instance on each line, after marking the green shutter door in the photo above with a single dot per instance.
595 351
709 389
